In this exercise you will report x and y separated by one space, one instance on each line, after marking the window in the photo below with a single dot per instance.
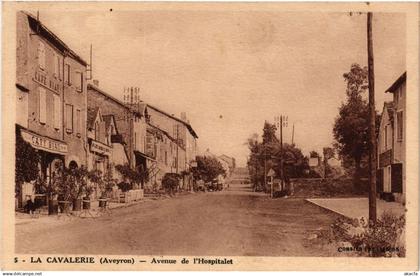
57 112
56 64
42 105
69 118
79 81
67 74
166 158
386 137
400 125
60 67
78 122
96 131
41 55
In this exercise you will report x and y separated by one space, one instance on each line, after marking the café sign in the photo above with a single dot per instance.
100 148
44 143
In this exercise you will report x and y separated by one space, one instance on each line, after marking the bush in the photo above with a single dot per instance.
383 239
124 186
170 182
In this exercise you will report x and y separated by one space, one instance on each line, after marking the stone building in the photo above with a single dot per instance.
183 146
128 143
391 145
51 98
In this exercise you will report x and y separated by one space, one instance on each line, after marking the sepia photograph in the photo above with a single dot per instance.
200 134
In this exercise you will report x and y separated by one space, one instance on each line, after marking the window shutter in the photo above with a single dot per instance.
55 64
102 133
57 111
78 81
78 121
69 117
396 178
42 105
60 68
41 55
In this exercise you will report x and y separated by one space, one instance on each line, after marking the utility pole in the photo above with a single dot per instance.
293 135
372 118
281 151
177 147
280 122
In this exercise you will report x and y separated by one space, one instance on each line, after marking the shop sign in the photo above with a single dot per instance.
100 148
44 143
47 82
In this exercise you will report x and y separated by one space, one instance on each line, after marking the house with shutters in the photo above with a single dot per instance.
51 99
391 184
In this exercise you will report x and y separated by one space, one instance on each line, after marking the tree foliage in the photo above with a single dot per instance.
267 154
351 127
170 182
269 133
26 162
208 168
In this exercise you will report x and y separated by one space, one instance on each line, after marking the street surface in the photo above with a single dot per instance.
236 222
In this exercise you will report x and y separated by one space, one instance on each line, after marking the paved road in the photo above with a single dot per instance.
235 222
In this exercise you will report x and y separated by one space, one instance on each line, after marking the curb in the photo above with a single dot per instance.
342 216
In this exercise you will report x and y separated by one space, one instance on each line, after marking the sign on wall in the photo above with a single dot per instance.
100 148
44 143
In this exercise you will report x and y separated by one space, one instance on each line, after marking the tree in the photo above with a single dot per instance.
314 154
351 126
26 162
267 155
269 133
208 168
170 182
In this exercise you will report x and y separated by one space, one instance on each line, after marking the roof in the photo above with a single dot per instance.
43 31
97 89
91 116
189 127
397 83
154 129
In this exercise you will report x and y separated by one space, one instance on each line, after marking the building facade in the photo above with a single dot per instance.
391 145
124 127
51 98
184 142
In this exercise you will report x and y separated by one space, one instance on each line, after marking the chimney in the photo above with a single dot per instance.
96 83
184 116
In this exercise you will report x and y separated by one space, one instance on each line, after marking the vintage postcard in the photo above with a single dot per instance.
210 136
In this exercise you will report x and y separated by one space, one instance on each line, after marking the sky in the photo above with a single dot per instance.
232 70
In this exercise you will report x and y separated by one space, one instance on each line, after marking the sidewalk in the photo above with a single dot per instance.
356 207
94 212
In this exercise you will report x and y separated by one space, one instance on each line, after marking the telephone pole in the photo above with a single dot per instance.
280 122
293 135
372 118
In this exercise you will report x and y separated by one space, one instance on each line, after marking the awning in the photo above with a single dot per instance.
44 143
136 152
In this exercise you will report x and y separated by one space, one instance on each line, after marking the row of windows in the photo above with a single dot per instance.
72 118
68 75
387 138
